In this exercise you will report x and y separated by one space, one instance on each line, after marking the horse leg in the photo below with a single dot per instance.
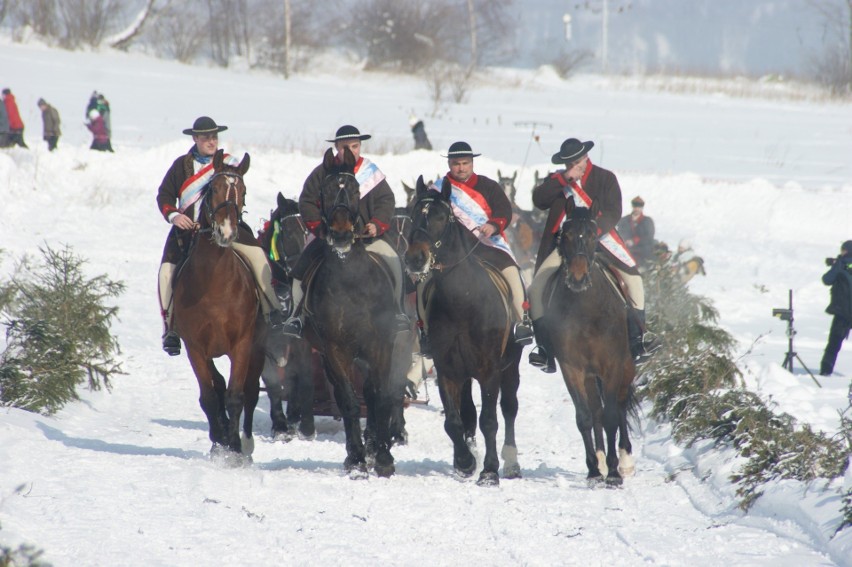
337 366
451 394
468 413
510 380
488 425
575 381
252 394
273 379
626 465
596 408
209 383
302 396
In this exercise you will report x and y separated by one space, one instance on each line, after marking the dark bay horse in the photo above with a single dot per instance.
217 312
351 319
586 319
283 241
469 320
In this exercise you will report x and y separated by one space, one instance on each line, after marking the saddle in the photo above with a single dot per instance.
611 275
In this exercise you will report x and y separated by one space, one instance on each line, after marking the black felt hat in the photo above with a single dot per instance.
348 132
571 150
204 125
461 150
637 201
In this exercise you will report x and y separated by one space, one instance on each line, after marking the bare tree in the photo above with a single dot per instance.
288 18
175 33
123 39
833 67
85 22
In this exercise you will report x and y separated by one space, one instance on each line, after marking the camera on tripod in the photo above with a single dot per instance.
783 314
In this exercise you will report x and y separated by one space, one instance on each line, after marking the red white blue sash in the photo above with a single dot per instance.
193 188
472 210
611 240
368 176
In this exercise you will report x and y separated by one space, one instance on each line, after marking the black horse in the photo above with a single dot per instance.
468 310
585 318
283 240
351 316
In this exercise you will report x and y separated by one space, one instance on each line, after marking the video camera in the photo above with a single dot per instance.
783 314
830 261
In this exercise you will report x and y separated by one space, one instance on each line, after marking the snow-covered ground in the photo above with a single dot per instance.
760 187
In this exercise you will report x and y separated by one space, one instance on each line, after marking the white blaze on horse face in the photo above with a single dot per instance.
225 233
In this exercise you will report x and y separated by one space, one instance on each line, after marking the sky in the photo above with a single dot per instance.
759 184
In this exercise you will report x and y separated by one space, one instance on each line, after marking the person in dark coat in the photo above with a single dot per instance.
839 277
376 209
100 138
16 125
5 133
50 122
587 184
480 205
637 231
418 130
179 200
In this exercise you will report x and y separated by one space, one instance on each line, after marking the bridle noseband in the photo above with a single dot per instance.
234 177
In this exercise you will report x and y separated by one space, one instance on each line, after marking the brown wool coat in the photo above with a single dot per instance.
50 120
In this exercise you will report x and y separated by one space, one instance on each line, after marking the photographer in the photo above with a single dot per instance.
839 277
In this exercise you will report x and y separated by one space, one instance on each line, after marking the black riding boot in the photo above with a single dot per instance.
425 344
642 345
542 355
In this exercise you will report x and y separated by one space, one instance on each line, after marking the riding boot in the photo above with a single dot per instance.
292 327
542 355
642 344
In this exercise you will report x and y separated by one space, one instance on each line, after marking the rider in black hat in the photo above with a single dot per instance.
179 200
587 183
487 223
376 209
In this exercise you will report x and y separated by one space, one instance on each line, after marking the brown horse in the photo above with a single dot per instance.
586 321
524 229
470 321
351 318
216 312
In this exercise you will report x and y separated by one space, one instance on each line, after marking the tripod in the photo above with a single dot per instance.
787 315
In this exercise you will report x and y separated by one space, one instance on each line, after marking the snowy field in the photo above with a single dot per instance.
761 187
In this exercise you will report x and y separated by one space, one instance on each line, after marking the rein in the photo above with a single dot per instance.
435 245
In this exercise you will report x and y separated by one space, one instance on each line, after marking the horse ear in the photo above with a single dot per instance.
514 176
281 201
420 187
595 210
409 191
348 157
328 159
244 164
499 175
446 189
569 206
218 158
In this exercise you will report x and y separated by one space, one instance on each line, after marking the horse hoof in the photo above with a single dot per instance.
307 436
614 481
595 481
385 471
488 478
512 472
282 436
359 472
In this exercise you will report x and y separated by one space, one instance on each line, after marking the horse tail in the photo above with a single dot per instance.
632 406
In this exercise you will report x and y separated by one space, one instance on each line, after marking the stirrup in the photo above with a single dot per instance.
171 343
540 359
523 334
292 327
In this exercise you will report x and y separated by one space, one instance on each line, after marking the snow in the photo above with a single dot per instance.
761 188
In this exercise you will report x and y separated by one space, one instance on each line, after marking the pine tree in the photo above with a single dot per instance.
58 332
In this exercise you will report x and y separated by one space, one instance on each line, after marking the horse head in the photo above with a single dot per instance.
577 243
508 185
290 233
432 216
339 198
225 199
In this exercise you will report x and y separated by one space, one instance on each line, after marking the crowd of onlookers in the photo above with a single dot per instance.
12 126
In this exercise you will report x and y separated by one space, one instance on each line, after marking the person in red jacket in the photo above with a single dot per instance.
16 125
100 136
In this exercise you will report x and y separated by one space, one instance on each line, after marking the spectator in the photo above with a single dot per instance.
50 120
99 102
839 277
100 138
4 128
421 140
637 231
16 125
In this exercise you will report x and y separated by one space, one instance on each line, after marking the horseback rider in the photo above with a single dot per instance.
376 209
481 205
179 199
586 183
637 232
